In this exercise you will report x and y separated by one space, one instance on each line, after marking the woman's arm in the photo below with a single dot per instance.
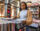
29 18
28 21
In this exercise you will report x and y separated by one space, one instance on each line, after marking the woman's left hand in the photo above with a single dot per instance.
24 22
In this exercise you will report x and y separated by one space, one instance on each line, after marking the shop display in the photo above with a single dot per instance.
35 12
7 26
14 7
0 27
12 26
2 11
9 11
39 11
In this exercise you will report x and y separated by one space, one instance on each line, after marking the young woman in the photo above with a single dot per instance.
25 14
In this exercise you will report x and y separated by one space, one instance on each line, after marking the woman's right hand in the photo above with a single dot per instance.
14 17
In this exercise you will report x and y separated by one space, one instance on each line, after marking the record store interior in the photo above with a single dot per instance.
10 10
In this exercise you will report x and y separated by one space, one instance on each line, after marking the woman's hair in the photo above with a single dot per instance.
25 5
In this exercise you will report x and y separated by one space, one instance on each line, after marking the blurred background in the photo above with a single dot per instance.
14 5
11 8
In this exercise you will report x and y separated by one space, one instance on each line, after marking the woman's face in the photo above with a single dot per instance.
23 6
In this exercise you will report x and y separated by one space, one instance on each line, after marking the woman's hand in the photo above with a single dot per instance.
14 17
24 22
